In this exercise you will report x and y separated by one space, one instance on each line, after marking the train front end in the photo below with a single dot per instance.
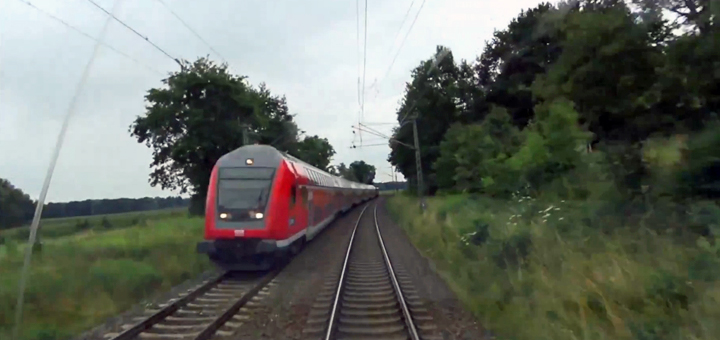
239 231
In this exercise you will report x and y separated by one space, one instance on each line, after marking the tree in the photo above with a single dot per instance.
694 14
16 207
315 151
471 155
515 56
202 113
363 172
343 171
435 97
608 70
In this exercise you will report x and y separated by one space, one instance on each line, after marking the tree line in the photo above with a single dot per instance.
17 208
572 95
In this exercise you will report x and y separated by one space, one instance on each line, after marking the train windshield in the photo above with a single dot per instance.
242 189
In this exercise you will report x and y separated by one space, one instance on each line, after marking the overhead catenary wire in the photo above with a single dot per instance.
134 31
89 36
402 43
362 108
377 83
373 129
48 177
193 31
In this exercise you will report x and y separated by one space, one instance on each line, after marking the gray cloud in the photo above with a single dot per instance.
306 50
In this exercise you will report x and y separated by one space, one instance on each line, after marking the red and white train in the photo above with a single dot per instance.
263 204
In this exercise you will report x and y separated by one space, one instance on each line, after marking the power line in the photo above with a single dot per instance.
373 129
192 30
357 50
362 108
397 34
89 36
134 31
404 39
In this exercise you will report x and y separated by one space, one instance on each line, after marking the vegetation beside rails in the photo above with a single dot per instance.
553 269
78 281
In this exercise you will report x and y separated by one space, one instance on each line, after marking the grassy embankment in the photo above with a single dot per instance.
92 268
549 269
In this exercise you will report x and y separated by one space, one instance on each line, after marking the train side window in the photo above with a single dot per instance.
293 195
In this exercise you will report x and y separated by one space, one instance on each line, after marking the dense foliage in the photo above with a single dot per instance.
580 155
562 82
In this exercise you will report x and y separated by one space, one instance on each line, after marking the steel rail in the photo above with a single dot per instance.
336 301
396 285
163 313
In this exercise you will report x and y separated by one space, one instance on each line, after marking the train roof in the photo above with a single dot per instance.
268 156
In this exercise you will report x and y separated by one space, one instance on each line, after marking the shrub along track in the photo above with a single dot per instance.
368 298
207 311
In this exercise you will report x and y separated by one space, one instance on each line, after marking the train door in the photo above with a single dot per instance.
310 209
294 209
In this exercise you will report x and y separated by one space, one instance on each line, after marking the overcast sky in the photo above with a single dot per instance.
307 50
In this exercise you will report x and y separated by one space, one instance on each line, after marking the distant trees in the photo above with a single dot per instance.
363 172
203 112
357 171
17 208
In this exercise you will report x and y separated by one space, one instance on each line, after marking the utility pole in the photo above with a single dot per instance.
418 165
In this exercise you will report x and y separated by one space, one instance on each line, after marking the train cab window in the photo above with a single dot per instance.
243 191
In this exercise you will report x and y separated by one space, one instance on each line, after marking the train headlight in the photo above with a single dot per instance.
223 215
258 215
249 161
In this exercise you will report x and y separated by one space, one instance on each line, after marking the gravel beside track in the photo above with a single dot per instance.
372 302
283 314
454 321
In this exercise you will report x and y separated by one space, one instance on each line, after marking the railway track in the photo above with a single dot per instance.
369 297
207 311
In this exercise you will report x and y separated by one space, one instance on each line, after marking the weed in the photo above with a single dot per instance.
592 269
82 279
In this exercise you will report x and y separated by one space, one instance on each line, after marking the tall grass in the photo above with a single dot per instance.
550 269
79 280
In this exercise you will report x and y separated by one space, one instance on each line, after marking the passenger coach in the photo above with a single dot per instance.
263 204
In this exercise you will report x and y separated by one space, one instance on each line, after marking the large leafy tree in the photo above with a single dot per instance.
203 112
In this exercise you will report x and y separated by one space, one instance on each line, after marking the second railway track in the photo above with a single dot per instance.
207 311
370 298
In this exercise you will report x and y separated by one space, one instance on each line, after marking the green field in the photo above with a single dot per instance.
569 270
57 227
84 275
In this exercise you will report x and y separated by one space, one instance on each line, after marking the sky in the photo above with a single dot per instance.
307 50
